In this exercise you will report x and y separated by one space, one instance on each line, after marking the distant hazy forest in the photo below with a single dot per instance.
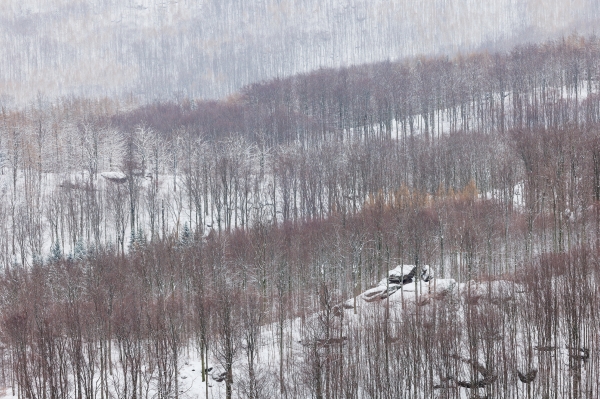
166 49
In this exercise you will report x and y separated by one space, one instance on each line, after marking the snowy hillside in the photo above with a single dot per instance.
421 227
412 334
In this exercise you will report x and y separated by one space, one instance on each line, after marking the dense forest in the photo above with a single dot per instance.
137 237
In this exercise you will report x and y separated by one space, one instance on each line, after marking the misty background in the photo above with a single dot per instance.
148 50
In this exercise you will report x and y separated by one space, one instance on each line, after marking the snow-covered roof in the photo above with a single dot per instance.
115 177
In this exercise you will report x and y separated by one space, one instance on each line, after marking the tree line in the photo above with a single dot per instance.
104 324
295 149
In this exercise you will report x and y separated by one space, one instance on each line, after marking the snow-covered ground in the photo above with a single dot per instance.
394 300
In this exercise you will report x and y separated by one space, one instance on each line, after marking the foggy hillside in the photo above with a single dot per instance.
326 199
161 49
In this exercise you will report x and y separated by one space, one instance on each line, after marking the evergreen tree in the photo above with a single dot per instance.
186 235
55 252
